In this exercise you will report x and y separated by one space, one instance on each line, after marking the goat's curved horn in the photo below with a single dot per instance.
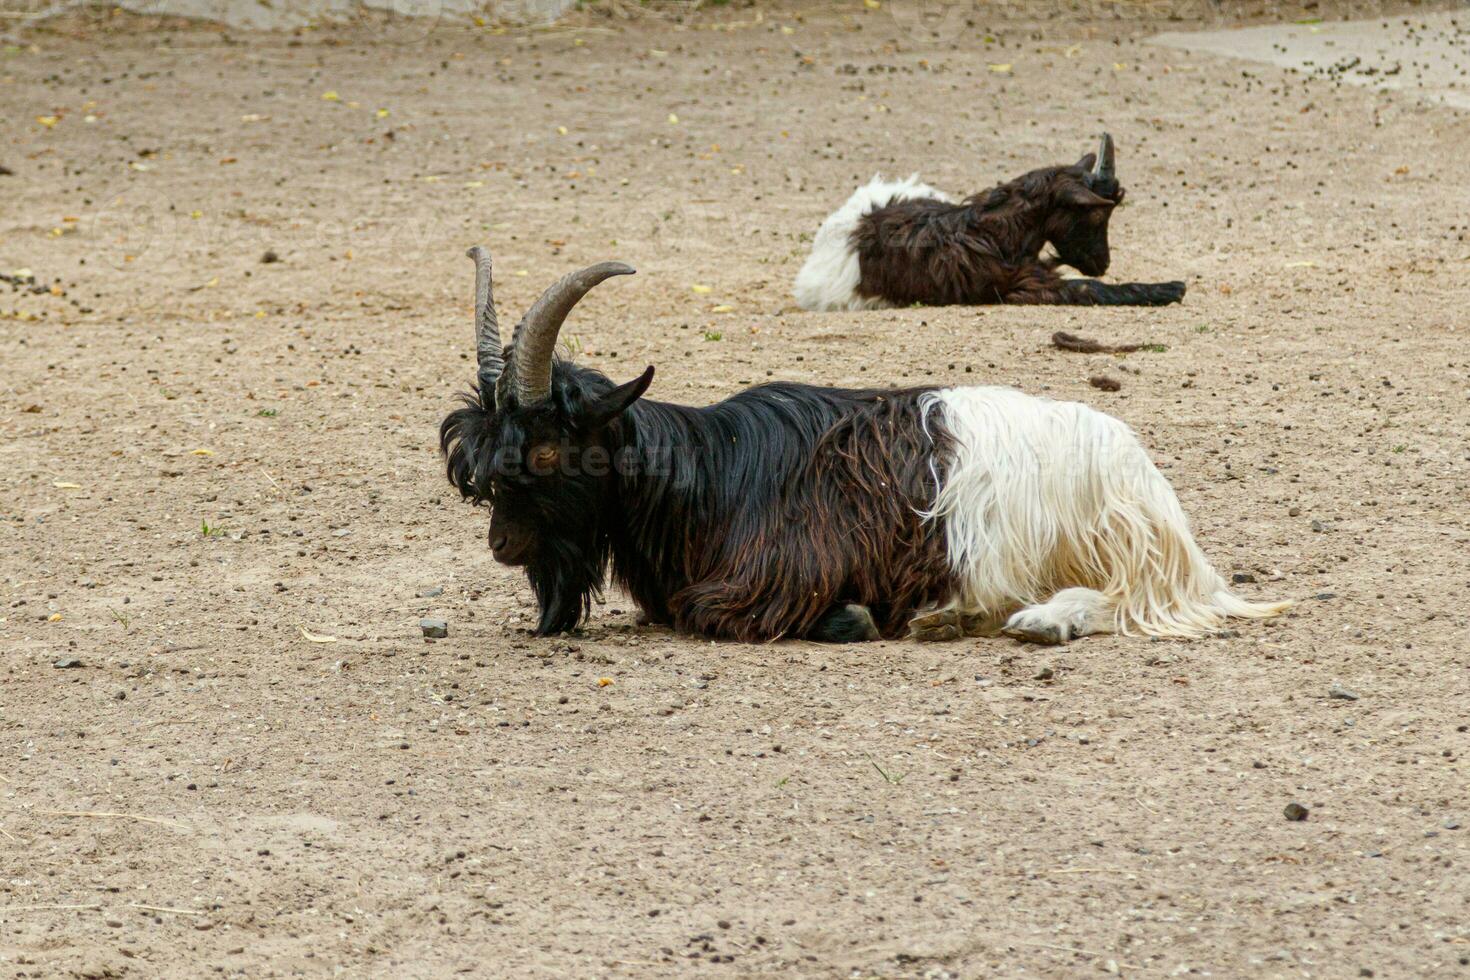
1104 169
535 337
487 327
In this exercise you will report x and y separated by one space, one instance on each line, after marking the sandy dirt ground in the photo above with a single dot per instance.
227 749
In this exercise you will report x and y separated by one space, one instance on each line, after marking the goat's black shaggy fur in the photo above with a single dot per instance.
755 518
987 248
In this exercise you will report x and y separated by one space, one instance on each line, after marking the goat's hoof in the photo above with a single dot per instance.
1169 292
1047 634
1030 627
981 624
850 623
937 634
936 627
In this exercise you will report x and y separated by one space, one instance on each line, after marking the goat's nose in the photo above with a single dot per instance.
497 543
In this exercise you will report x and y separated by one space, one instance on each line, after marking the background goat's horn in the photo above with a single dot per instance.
535 337
1104 169
487 327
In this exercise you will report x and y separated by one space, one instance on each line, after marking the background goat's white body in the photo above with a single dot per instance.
1046 500
829 278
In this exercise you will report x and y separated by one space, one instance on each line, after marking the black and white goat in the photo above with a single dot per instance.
828 513
896 243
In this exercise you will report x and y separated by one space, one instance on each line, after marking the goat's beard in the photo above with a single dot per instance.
566 576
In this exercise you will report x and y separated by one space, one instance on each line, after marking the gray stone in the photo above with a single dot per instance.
432 592
67 663
1295 812
1341 693
434 629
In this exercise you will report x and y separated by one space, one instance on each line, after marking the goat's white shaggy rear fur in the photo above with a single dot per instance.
829 278
1057 507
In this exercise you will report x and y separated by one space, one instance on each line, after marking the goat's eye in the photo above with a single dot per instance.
544 459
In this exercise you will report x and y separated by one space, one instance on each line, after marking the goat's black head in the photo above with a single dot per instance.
1084 196
537 444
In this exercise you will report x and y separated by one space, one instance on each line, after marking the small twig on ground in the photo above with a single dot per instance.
1075 871
553 30
105 815
266 473
1081 345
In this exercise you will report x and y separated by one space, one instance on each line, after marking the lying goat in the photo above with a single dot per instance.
900 243
826 513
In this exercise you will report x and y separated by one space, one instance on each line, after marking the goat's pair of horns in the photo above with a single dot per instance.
526 371
1104 168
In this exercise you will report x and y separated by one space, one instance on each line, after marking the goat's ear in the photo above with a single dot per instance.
1080 197
608 407
1087 163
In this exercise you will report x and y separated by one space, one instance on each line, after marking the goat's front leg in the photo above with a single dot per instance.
1038 284
1092 292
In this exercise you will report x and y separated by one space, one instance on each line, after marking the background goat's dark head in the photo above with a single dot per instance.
1085 195
1075 202
537 443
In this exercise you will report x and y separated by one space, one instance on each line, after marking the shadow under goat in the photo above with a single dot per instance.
897 243
835 514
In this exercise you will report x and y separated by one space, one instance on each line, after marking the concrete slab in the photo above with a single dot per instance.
1426 56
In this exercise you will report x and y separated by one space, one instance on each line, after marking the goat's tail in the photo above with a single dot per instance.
1152 568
